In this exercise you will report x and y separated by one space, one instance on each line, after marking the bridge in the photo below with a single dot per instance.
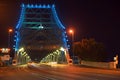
40 35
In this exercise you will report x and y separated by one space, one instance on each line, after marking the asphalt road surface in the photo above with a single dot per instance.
61 72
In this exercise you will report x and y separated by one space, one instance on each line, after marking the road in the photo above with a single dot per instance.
61 72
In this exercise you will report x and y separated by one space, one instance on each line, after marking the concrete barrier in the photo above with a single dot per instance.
109 65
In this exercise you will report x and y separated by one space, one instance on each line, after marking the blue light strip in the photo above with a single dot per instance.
18 27
17 41
56 17
21 17
37 6
65 41
60 25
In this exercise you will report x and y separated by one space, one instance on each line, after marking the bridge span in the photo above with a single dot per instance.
40 35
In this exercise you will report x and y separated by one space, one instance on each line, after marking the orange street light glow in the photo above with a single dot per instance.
10 30
71 31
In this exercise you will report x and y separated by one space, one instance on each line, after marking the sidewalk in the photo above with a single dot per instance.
80 65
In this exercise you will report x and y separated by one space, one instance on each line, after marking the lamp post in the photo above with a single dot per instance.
72 41
72 34
9 35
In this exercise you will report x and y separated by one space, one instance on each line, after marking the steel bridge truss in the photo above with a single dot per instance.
39 31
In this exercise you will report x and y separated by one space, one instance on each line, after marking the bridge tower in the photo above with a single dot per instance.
40 33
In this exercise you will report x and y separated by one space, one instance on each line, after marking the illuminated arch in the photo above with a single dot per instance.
37 24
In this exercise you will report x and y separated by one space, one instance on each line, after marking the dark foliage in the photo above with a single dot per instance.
90 50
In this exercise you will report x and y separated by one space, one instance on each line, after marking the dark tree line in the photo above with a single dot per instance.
90 50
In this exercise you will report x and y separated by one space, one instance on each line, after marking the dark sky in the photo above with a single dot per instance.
99 19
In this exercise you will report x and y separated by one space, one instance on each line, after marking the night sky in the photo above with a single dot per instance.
98 19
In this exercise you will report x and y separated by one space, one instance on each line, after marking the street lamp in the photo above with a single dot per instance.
72 34
9 32
72 41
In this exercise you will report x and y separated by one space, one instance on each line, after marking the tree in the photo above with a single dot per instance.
89 49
